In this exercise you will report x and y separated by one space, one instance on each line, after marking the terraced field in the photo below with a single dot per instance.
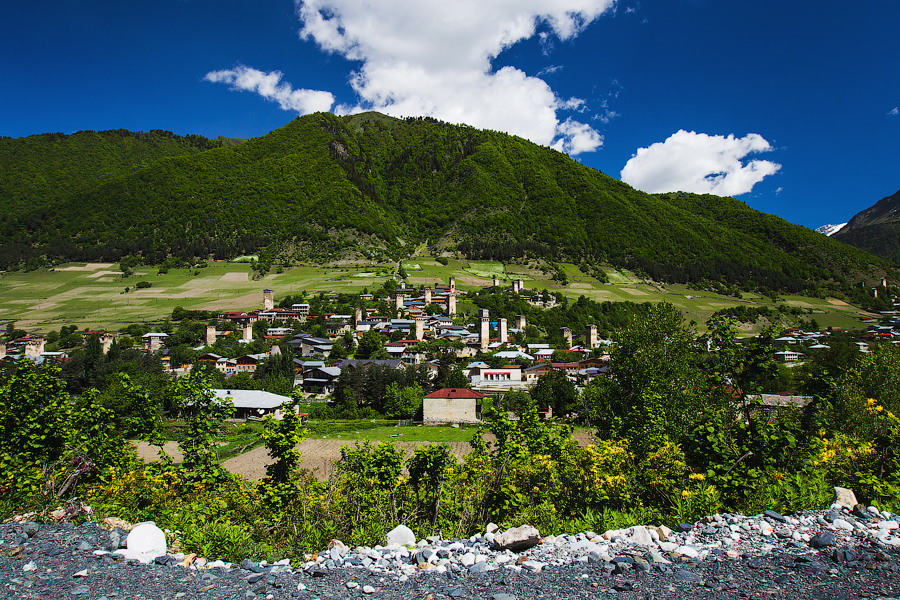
94 296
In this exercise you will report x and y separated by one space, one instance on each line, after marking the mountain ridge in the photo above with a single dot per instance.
876 229
368 183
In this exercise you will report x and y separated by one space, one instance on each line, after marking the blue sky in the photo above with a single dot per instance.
791 106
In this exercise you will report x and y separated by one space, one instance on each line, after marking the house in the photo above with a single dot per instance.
249 362
209 359
321 379
532 374
787 356
253 403
154 341
452 405
360 363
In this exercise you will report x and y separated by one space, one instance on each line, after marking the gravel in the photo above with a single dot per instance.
722 556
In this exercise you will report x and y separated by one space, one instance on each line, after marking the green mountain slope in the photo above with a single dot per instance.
876 229
371 183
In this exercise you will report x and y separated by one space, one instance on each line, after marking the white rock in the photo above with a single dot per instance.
534 565
887 525
688 551
467 559
766 529
668 546
640 536
146 538
31 566
401 535
518 539
844 498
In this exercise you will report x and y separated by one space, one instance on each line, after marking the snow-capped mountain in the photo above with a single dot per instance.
830 230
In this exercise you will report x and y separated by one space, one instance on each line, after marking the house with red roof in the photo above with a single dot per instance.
452 405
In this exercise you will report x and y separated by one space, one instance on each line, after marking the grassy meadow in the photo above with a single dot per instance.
93 295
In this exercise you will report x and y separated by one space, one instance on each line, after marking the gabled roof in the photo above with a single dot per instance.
455 394
250 399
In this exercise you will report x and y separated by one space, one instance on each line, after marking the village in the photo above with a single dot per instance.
405 329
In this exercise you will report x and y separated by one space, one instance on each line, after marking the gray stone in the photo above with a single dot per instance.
30 528
688 576
775 516
822 540
479 567
517 539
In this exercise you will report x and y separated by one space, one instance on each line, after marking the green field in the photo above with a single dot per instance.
93 296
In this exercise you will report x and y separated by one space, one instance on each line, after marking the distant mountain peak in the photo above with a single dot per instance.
830 230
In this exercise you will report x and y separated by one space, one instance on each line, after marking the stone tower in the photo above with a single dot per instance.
106 342
247 333
504 332
590 336
210 335
484 335
451 305
520 322
34 347
453 285
420 328
398 301
566 332
268 299
427 296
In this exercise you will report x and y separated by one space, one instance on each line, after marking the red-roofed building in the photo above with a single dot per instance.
452 405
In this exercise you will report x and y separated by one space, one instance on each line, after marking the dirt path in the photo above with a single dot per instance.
318 455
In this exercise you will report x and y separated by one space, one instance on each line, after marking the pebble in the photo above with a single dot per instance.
756 541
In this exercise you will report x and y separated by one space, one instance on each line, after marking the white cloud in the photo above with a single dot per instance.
894 111
436 58
269 86
577 138
700 163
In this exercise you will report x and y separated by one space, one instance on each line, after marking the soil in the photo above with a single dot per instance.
318 455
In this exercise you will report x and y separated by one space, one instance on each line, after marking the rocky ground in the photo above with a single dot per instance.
841 553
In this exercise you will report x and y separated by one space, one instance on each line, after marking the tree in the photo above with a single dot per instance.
457 379
369 344
555 390
205 413
402 403
282 438
653 395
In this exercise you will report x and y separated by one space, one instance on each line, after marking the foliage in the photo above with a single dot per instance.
282 437
653 393
205 412
48 444
322 185
402 403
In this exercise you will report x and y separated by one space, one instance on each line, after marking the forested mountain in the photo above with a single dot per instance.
876 229
324 184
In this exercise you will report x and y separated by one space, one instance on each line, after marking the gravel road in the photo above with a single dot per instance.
60 561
